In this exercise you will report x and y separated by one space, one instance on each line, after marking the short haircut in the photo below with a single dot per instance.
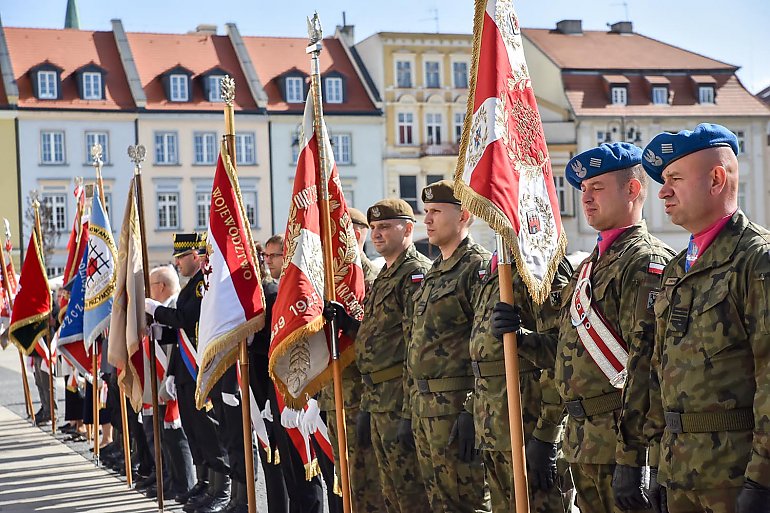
167 275
275 239
637 172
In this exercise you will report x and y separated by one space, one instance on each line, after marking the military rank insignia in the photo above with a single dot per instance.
200 288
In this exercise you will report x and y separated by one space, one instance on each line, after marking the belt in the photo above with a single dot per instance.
739 419
432 386
497 368
592 406
380 376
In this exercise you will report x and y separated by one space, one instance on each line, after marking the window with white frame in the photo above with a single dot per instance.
459 124
564 195
407 190
249 196
433 128
205 144
706 94
741 141
202 208
349 193
54 270
179 91
47 88
341 148
166 148
660 95
432 74
52 147
168 209
57 203
460 74
100 138
403 74
294 89
215 88
405 122
619 95
431 179
333 90
245 149
92 85
295 142
743 199
108 204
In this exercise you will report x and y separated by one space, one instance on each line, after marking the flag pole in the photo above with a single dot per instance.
511 355
36 208
137 154
228 94
97 153
314 48
25 383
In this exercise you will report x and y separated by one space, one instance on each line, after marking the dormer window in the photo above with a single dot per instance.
294 89
214 83
179 90
47 85
333 90
92 85
660 95
619 95
706 94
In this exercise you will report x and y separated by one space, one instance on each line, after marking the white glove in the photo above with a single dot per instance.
230 400
289 418
308 418
150 305
266 413
171 387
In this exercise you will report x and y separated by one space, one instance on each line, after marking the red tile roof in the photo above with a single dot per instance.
598 50
70 50
157 53
274 56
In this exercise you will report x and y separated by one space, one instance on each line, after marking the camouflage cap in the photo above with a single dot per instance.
358 217
393 208
440 192
186 242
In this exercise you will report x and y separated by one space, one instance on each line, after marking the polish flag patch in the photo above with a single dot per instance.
417 278
655 268
482 273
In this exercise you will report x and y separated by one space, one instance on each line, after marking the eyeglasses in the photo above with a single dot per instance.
272 255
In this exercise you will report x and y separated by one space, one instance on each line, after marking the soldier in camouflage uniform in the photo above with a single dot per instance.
602 367
438 366
710 382
489 402
366 494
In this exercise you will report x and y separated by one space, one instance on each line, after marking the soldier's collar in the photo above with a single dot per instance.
459 252
626 240
388 271
724 246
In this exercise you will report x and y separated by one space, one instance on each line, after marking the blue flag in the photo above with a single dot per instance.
100 274
71 344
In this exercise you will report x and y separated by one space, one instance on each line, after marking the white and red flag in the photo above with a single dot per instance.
233 306
300 356
504 173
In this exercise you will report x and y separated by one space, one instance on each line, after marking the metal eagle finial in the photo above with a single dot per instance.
228 90
137 154
314 31
96 153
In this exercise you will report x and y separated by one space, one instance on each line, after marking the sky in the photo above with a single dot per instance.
736 32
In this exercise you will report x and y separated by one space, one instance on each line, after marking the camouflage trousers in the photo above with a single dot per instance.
499 470
721 500
400 478
452 485
365 492
593 484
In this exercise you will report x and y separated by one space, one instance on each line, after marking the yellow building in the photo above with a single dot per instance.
9 178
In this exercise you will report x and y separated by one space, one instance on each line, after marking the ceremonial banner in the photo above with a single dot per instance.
504 173
128 322
233 306
32 307
100 274
5 301
76 247
71 343
300 356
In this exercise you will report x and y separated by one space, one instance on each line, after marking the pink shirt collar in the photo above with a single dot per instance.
607 237
701 241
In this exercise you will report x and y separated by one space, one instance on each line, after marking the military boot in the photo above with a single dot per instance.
239 500
197 489
220 495
198 500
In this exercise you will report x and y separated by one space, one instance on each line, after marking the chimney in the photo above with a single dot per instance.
570 26
206 29
346 32
622 27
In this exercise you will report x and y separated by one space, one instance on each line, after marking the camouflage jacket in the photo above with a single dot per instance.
624 289
370 271
380 342
441 330
711 354
489 401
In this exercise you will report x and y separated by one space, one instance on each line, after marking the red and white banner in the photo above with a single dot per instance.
300 356
504 173
233 306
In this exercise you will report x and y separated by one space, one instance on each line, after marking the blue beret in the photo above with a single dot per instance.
600 160
667 147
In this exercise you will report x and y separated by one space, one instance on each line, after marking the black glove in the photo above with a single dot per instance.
541 463
754 498
657 493
628 488
464 431
505 319
334 310
405 436
363 429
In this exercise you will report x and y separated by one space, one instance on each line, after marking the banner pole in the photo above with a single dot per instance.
314 48
137 154
510 350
